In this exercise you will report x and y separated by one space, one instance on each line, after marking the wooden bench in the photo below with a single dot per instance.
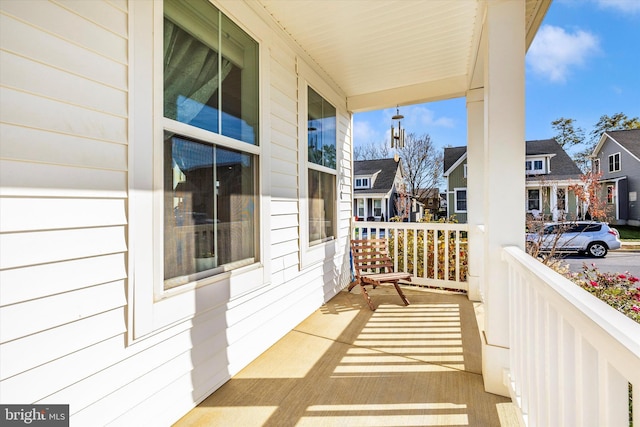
373 266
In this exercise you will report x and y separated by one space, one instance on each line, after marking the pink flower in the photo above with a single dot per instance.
593 283
633 279
622 276
636 309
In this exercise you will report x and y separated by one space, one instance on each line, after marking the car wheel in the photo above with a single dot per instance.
597 249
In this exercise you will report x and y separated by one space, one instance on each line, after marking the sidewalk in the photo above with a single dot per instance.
630 246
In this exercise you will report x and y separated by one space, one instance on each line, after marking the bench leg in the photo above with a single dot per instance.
367 298
404 299
353 284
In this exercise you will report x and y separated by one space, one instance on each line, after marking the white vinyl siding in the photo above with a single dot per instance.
76 219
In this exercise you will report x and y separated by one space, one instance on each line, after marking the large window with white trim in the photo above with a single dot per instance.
321 174
210 149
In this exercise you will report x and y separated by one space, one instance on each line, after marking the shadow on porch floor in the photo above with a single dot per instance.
348 366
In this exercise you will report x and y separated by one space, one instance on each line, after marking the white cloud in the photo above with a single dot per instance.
365 133
626 6
555 52
421 117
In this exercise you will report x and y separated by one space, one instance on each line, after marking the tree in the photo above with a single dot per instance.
618 121
422 164
567 134
371 151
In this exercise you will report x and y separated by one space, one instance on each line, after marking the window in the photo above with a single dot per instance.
614 162
321 144
377 207
209 181
362 183
360 212
464 171
611 193
460 195
596 165
560 196
533 200
534 166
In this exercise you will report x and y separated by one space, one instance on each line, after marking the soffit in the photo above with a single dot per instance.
381 53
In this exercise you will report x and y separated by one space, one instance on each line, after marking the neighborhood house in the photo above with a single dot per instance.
549 173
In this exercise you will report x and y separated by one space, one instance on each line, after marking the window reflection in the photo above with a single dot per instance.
209 209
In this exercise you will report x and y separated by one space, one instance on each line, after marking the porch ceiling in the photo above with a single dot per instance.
382 53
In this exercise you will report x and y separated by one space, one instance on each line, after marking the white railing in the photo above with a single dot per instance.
572 356
436 254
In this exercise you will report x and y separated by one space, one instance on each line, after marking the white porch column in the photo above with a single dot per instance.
553 201
475 181
504 181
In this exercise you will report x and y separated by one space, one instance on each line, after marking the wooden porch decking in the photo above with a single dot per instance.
348 366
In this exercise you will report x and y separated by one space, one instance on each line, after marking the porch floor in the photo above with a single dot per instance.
345 365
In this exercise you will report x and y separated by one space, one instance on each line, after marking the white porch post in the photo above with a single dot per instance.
475 180
553 201
504 207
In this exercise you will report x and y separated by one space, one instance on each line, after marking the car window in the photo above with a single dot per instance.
593 227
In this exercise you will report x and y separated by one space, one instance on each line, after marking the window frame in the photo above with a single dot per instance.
318 253
364 183
455 199
152 308
530 199
611 194
612 162
596 165
360 204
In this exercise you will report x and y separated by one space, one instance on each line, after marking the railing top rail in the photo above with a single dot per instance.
412 225
595 318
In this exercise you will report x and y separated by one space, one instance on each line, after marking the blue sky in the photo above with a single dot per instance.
583 63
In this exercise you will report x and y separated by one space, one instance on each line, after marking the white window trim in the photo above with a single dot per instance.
360 202
311 255
596 165
150 307
455 199
464 172
539 199
365 182
619 162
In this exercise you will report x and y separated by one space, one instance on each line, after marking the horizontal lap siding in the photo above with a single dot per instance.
63 228
63 170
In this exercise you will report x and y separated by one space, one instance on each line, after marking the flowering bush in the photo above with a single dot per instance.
620 290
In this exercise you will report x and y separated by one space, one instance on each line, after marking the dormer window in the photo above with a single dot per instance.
362 183
535 167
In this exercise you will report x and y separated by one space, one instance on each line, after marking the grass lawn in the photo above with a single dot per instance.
628 232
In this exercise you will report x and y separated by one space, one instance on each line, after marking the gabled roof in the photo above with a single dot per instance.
562 167
452 157
627 139
387 169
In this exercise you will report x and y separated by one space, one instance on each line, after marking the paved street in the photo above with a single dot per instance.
614 262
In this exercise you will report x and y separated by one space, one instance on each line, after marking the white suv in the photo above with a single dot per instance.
592 238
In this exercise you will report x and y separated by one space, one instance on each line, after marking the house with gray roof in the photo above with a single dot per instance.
617 158
550 173
379 191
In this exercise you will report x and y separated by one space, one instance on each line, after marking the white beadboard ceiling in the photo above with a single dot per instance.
386 52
